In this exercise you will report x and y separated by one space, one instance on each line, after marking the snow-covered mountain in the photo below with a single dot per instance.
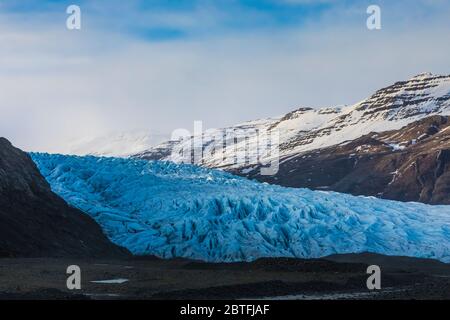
170 210
116 144
307 129
408 164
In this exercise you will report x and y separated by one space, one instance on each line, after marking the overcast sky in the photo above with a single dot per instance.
160 65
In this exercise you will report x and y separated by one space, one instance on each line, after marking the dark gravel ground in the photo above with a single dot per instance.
336 277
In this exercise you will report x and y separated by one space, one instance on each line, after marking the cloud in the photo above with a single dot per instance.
303 2
58 86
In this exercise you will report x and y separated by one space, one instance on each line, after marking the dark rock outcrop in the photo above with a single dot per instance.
35 222
409 164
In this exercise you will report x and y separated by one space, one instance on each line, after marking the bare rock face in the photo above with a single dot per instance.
35 222
409 164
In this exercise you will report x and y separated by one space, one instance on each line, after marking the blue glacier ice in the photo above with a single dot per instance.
173 210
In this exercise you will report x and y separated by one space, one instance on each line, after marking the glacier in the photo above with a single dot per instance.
180 210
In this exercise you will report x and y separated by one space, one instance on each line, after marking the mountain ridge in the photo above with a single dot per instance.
312 151
306 129
409 164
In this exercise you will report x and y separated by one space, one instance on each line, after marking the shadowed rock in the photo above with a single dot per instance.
35 222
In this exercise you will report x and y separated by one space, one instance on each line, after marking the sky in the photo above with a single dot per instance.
156 66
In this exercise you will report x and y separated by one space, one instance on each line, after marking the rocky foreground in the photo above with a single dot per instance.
336 277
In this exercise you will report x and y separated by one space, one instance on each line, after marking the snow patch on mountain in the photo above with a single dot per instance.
307 129
117 144
169 210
